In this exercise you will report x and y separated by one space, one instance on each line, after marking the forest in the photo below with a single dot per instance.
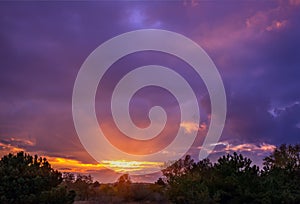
231 179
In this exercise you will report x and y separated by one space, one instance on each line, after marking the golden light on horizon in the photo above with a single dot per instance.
130 166
119 166
73 165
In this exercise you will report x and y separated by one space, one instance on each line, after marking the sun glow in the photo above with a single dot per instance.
119 166
130 166
72 165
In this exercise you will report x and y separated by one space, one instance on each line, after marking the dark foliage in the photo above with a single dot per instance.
83 185
27 179
281 175
232 179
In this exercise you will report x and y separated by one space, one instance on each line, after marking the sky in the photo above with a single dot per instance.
255 46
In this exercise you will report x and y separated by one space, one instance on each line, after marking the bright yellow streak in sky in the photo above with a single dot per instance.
76 166
72 165
127 166
120 166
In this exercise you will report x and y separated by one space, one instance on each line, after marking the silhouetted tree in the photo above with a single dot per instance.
235 180
124 179
281 175
231 179
284 157
123 187
186 180
27 179
160 182
83 186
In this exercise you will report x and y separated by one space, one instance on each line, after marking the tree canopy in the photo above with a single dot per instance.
30 179
233 179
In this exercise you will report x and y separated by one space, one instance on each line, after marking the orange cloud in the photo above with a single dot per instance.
23 141
9 148
254 25
119 166
294 2
190 127
260 19
246 147
272 19
250 147
276 25
267 147
14 145
72 165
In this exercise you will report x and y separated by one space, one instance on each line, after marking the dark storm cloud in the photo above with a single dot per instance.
270 78
259 62
42 48
44 44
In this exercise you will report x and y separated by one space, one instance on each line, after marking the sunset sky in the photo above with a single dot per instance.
254 44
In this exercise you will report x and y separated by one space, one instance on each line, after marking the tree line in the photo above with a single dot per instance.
30 179
231 179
